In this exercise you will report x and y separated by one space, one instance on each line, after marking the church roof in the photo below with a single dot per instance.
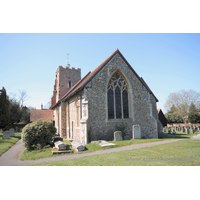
44 114
88 77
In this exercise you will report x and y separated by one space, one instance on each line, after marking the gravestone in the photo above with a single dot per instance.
6 135
117 136
12 132
199 128
61 146
187 130
174 131
77 146
136 133
169 131
192 130
104 143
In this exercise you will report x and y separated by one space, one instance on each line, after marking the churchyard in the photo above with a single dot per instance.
5 144
184 152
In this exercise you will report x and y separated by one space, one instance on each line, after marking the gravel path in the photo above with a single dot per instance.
10 157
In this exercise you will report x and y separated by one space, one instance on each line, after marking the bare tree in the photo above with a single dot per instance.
182 100
23 97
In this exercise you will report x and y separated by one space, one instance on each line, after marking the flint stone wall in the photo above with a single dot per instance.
142 105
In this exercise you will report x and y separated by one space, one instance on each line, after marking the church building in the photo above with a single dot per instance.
110 96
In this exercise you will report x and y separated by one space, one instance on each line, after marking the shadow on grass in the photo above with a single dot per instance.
177 135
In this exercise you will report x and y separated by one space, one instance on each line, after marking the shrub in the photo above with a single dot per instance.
38 134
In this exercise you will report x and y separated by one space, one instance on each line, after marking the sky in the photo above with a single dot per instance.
167 62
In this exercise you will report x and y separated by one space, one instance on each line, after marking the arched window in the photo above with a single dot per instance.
117 95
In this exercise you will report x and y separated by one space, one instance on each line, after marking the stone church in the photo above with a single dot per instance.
112 95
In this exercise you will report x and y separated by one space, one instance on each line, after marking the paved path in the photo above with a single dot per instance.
10 157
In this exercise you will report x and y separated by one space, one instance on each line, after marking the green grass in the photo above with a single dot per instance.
180 134
91 147
5 144
180 153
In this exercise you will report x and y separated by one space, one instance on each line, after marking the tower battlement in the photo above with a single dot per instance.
65 79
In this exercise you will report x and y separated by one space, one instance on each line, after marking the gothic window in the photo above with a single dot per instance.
117 95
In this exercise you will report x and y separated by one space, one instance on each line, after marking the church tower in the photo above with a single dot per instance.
66 78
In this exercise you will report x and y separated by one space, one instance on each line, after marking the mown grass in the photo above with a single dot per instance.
91 147
180 153
5 144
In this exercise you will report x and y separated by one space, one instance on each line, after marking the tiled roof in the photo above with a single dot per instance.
88 77
44 114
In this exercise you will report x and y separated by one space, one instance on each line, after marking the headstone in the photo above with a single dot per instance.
174 131
61 146
117 136
77 146
136 133
104 143
192 130
187 130
164 130
169 131
12 132
199 128
6 134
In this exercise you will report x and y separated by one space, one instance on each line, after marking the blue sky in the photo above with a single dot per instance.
167 62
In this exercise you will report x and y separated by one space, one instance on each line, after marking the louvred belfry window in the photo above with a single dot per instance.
117 95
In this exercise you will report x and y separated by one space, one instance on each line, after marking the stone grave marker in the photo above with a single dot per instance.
187 130
136 133
77 146
169 131
12 132
117 136
61 146
6 134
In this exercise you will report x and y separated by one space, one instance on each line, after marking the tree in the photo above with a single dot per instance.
4 110
23 97
182 100
15 111
193 116
172 116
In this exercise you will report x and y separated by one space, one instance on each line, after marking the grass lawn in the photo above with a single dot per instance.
5 144
91 147
180 153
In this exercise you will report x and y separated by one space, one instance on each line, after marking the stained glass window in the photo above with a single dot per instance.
117 94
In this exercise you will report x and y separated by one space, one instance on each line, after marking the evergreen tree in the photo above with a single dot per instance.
172 116
193 116
4 110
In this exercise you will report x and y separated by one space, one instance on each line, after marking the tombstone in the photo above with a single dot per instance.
174 131
6 135
61 146
169 131
199 128
117 136
136 133
187 130
164 130
12 132
77 146
192 130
